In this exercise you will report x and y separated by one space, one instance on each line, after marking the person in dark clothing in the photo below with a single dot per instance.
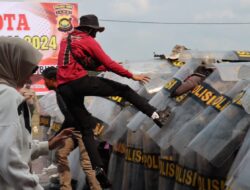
62 153
80 53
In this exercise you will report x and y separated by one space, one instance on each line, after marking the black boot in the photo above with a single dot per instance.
102 178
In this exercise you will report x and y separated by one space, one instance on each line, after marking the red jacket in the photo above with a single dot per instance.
69 70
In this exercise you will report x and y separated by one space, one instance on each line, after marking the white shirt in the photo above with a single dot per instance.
16 146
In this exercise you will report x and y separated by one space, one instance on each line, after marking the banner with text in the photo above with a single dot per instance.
41 24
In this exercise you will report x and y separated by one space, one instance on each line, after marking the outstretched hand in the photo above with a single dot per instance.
141 77
57 140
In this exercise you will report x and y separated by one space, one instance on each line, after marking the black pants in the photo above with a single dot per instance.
73 94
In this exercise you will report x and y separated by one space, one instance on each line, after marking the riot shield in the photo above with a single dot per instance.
180 175
150 161
133 169
207 93
118 125
133 174
156 69
223 136
240 178
195 104
118 129
158 75
160 100
116 163
189 160
241 155
245 101
151 155
190 129
48 105
191 172
152 66
116 134
202 173
133 178
231 71
40 133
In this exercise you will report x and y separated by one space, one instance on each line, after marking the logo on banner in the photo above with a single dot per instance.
64 17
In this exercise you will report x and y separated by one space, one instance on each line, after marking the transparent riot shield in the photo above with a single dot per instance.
168 169
191 171
153 66
224 135
240 178
42 165
151 155
189 160
158 70
108 108
200 97
133 175
245 101
161 99
134 166
158 74
133 172
48 107
231 71
234 170
192 59
116 163
190 129
48 104
40 133
116 134
202 172
118 125
189 109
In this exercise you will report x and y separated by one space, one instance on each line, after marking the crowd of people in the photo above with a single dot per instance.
79 53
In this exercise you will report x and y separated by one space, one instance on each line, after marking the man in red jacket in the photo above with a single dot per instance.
80 52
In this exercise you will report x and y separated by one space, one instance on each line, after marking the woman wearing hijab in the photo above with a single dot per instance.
18 61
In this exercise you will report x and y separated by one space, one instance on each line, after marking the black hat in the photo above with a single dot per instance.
90 21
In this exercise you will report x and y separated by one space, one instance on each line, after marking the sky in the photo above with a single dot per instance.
131 41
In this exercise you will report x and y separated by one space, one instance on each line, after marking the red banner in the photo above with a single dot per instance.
41 24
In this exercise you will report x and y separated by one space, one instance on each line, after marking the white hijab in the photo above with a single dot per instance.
17 61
